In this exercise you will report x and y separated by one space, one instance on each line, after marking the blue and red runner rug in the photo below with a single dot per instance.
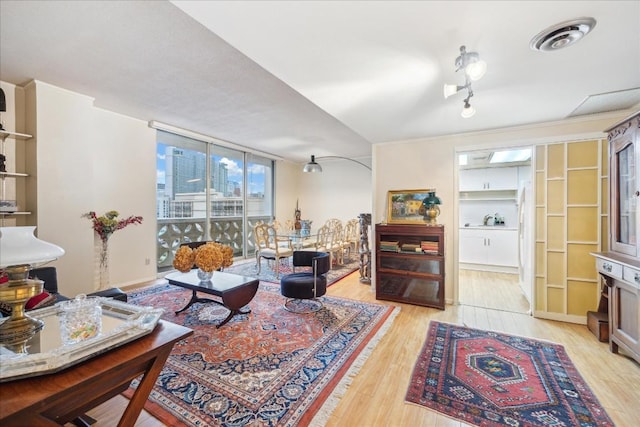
493 379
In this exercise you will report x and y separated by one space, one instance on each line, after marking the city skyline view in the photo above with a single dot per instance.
234 170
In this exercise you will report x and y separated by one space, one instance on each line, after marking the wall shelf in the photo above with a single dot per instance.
12 174
4 134
8 188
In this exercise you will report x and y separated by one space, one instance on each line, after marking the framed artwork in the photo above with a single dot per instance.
405 206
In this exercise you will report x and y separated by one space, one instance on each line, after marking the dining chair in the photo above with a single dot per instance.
350 241
336 242
270 247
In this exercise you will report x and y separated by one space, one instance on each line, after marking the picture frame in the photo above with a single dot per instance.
405 206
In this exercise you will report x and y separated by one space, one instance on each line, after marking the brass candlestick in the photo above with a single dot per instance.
20 327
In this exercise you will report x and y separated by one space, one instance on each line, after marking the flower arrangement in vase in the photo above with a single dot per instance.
207 258
104 226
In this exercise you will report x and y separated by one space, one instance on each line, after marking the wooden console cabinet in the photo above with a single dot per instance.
410 264
620 267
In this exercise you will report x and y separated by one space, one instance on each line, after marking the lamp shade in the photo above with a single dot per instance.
476 69
431 199
312 166
468 111
450 89
18 245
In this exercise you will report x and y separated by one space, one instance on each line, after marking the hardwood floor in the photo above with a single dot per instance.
497 291
376 395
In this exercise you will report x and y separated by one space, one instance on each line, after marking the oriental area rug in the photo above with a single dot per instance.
270 367
493 379
268 274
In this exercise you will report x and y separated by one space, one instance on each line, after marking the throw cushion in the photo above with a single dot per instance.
41 300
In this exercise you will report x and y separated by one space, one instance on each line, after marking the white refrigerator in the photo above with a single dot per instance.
525 238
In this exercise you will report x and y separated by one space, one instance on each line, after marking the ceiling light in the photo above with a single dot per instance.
562 35
474 68
451 90
468 111
312 166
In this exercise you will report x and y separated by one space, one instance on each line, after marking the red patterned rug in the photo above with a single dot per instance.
266 368
492 379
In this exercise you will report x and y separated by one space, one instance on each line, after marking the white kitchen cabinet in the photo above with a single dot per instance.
489 179
489 246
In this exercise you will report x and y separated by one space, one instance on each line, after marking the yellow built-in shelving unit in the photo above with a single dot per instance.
571 220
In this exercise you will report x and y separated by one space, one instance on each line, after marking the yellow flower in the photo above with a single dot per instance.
208 257
184 259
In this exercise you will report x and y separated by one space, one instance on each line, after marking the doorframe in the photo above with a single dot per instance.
456 213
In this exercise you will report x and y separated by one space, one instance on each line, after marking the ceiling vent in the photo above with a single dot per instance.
562 35
610 101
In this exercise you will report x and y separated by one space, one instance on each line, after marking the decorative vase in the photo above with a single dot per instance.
204 276
101 276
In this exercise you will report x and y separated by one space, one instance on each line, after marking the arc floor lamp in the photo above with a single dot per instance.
314 167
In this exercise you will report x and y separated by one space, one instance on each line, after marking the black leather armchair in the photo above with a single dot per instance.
302 289
50 278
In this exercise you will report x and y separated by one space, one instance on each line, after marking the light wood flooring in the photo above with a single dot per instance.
497 291
376 395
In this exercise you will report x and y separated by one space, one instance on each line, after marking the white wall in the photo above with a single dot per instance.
287 185
342 190
90 159
431 163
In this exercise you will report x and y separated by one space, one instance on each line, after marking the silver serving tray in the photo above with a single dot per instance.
121 323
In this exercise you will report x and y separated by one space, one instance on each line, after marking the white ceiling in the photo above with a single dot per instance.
322 77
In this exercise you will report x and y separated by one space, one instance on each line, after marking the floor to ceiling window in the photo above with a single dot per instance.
209 192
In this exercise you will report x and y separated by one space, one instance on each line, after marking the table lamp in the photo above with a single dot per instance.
20 251
432 210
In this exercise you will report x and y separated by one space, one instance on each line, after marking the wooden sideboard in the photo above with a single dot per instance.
622 277
410 264
620 266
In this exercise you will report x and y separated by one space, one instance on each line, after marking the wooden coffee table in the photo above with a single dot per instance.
234 290
58 398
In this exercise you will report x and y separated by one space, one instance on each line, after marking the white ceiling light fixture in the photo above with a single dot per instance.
474 69
468 110
562 35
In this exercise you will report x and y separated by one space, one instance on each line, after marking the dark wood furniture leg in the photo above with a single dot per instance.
233 300
195 299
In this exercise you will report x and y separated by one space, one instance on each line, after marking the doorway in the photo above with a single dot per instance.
495 201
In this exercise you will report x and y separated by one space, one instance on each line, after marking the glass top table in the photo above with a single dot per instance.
235 291
300 238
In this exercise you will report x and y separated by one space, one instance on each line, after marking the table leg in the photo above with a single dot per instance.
231 314
132 412
195 299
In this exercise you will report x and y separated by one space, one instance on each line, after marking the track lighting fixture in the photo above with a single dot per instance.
474 68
